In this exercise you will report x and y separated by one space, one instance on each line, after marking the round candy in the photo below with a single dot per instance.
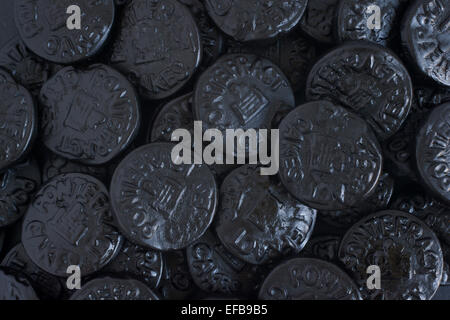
140 263
241 91
55 165
403 247
432 149
308 279
317 22
426 35
368 79
159 204
89 115
43 26
46 285
255 20
216 270
15 287
114 289
69 223
258 219
17 186
329 157
18 122
356 20
158 46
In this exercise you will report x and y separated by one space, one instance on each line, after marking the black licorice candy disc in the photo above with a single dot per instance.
256 20
108 288
216 270
89 115
17 187
318 20
308 279
69 223
43 27
354 19
141 263
241 91
15 287
159 204
329 157
258 220
368 79
407 252
18 122
47 286
426 35
158 46
432 152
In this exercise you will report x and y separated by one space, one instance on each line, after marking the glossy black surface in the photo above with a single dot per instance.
407 252
42 26
18 122
138 262
216 270
159 204
158 46
367 79
89 115
69 223
241 91
258 220
354 17
47 286
18 184
329 157
426 36
255 20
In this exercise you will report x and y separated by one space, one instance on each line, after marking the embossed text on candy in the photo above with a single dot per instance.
240 146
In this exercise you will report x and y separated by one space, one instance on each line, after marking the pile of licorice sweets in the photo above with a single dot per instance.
348 197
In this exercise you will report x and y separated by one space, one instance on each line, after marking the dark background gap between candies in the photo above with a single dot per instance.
86 176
